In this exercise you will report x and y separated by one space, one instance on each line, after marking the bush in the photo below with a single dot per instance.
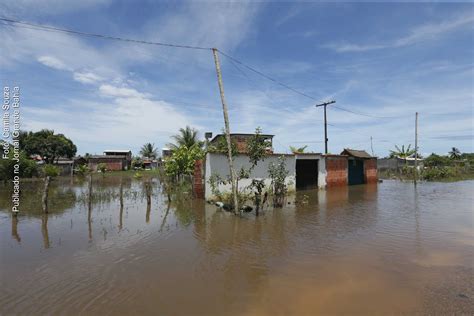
102 167
27 167
82 170
51 171
439 173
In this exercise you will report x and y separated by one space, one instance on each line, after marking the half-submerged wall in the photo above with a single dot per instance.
370 170
336 170
217 164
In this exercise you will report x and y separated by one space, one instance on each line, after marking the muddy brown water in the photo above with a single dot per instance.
378 249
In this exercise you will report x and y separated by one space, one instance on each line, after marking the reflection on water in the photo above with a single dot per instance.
116 246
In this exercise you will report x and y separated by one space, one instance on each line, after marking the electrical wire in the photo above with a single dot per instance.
62 30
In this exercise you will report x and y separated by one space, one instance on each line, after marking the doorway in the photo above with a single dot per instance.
306 174
356 171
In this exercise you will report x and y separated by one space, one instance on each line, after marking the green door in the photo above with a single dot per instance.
356 171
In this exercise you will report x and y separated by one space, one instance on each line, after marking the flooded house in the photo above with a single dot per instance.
361 167
67 165
114 160
305 170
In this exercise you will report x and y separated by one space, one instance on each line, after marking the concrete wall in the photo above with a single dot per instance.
322 172
337 171
217 164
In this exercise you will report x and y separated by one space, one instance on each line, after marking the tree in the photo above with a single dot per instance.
187 137
298 150
149 150
402 152
182 160
48 145
455 153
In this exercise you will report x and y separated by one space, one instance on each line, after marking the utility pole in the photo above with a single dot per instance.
372 146
233 176
325 124
416 147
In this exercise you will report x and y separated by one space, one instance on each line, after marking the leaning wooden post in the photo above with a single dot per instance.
148 200
89 193
121 193
15 227
44 231
45 194
148 192
233 175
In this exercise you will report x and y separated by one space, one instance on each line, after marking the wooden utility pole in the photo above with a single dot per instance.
372 146
325 124
233 176
416 147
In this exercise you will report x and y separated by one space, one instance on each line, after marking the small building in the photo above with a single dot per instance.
114 160
149 164
361 167
67 165
240 140
166 152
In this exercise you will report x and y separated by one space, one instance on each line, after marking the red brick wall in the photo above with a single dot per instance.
111 165
198 186
370 170
336 168
114 166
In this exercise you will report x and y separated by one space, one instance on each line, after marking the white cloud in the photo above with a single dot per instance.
53 62
417 35
118 92
86 77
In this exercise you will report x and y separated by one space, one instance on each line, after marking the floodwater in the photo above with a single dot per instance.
379 249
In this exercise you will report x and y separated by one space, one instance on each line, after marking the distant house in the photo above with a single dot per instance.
166 152
67 165
150 163
241 141
114 160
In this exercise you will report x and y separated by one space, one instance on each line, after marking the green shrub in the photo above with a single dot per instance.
82 170
27 167
51 171
102 167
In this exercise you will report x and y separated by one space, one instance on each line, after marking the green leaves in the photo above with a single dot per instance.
182 160
48 145
149 150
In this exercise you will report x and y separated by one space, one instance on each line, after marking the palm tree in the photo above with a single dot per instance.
297 150
148 150
402 152
187 136
455 153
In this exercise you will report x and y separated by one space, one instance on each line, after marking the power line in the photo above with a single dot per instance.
61 30
368 115
266 76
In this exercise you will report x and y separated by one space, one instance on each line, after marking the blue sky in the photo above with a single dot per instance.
382 59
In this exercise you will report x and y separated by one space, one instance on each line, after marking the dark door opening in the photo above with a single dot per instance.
356 171
306 173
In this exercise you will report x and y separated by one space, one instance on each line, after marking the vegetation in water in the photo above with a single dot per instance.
278 173
51 171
